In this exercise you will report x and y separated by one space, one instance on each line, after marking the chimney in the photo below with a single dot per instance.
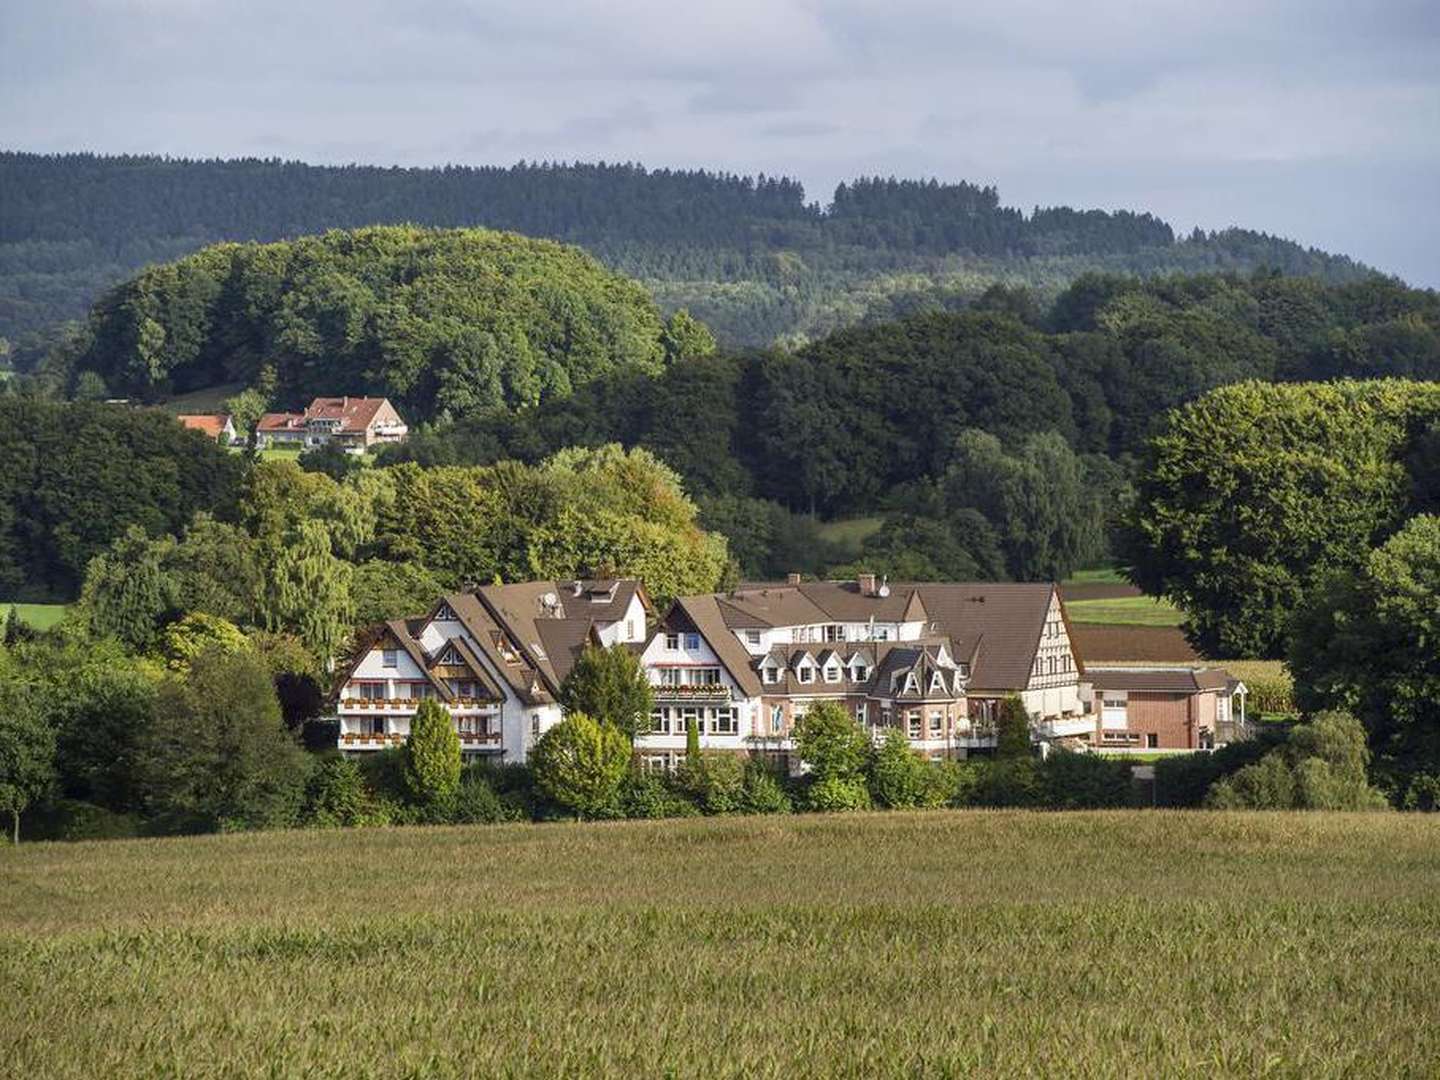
867 584
792 578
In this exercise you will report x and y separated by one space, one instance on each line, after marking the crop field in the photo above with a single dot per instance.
1135 610
987 943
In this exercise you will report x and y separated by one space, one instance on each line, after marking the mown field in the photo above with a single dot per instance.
945 944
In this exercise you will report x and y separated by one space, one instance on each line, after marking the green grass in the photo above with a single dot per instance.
1124 611
849 533
211 399
280 453
40 616
946 944
1104 576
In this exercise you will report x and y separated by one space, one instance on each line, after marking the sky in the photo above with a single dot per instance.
1318 120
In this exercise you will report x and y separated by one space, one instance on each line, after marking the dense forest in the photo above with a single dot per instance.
749 256
442 321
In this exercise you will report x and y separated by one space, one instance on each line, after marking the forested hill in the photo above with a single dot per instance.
749 256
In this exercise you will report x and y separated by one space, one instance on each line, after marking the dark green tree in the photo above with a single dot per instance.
609 685
581 764
432 758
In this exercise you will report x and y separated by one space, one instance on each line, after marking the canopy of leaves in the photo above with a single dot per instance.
581 763
432 757
440 321
1321 767
611 686
1255 491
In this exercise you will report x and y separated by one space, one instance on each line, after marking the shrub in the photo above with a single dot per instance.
1008 782
72 819
647 794
337 797
1185 779
899 777
1322 766
1071 781
477 803
764 791
830 793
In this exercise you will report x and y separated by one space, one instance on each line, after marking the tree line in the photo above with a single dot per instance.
749 255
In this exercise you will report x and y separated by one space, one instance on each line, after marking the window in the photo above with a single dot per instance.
1152 740
669 676
912 723
937 684
709 676
859 673
376 725
1114 702
752 637
629 629
445 614
882 633
832 673
724 722
371 691
391 658
660 721
834 632
777 719
806 673
860 712
672 642
770 674
937 722
421 691
692 642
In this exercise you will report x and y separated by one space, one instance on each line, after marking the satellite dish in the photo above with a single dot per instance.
883 591
550 601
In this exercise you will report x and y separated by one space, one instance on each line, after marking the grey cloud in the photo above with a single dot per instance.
1312 118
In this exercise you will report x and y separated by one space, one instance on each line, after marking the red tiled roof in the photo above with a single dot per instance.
212 424
280 421
354 413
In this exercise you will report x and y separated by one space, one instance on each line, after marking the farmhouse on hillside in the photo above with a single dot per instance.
933 660
353 423
217 426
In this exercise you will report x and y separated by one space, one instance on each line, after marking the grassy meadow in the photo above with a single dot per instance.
946 943
1124 611
40 616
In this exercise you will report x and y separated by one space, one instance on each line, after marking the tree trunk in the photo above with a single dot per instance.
15 817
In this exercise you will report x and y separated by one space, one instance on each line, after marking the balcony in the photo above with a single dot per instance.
690 692
1063 726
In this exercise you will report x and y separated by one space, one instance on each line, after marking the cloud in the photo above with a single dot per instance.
1315 118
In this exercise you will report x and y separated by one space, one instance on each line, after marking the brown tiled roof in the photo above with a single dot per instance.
997 625
355 414
212 424
280 421
704 614
1174 680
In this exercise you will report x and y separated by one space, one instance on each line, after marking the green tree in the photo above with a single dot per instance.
217 754
581 764
1012 730
432 758
1255 492
686 338
1363 641
609 685
899 777
127 594
336 797
197 633
836 749
382 590
27 752
307 589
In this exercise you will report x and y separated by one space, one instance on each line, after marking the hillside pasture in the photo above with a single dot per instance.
986 943
39 616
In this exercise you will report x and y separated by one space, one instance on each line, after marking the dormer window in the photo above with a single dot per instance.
806 673
912 685
937 684
832 673
859 673
752 637
769 674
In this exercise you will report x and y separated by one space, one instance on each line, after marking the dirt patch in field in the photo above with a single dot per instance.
1109 644
1097 591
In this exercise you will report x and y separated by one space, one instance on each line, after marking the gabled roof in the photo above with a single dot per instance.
403 632
355 414
281 421
995 625
703 613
